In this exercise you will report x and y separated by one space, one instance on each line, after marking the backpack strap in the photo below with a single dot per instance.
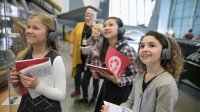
52 55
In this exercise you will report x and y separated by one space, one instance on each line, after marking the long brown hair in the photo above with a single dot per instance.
105 41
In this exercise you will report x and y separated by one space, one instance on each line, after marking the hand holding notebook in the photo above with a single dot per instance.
87 50
116 63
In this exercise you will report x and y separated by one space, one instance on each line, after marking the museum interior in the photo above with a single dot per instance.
173 17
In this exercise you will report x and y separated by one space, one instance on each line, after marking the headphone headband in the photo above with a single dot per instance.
53 34
166 52
168 55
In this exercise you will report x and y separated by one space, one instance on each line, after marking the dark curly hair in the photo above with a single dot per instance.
175 64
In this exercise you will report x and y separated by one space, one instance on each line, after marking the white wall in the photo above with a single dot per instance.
94 3
64 4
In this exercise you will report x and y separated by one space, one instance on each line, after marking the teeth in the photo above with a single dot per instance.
145 55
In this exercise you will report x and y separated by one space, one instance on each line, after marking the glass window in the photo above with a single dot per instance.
132 12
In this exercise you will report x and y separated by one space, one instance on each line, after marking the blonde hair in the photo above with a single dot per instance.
97 26
22 54
49 22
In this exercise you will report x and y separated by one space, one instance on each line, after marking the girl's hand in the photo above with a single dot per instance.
29 80
14 77
95 52
95 74
105 108
113 77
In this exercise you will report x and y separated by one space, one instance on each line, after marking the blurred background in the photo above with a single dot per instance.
174 17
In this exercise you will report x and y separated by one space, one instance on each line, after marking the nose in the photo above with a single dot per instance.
145 49
29 30
105 28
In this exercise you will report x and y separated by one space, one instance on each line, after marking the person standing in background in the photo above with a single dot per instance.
96 42
189 35
78 37
41 34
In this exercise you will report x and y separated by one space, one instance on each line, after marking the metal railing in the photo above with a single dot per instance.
49 5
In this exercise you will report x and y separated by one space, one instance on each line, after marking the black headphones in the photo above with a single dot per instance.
52 35
166 52
121 31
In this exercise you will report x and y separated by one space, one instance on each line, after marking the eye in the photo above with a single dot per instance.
28 27
36 28
141 45
110 24
151 45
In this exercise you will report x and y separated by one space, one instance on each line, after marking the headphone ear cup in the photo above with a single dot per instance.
52 35
121 31
164 54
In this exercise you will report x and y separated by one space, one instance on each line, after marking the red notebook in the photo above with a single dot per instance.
27 63
22 64
116 61
97 68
